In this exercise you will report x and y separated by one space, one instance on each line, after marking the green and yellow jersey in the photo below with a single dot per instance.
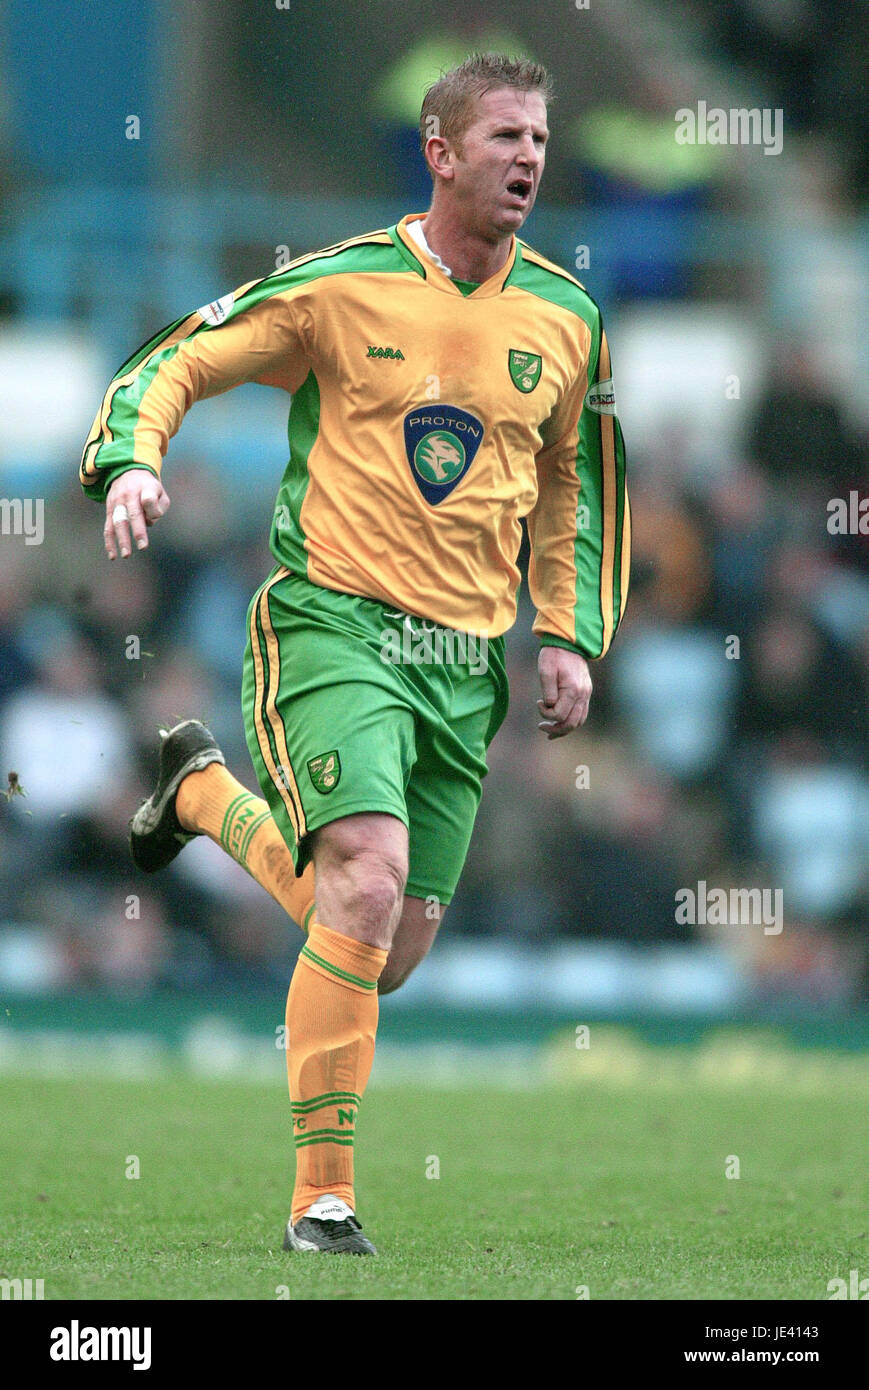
425 422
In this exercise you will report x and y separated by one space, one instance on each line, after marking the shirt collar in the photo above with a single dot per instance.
433 270
416 233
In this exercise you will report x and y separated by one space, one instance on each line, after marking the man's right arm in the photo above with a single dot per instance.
257 334
134 501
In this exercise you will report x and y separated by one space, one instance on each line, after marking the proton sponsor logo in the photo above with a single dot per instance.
441 442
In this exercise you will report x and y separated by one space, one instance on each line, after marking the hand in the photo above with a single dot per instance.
566 683
144 499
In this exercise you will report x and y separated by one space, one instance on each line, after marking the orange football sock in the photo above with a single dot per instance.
332 1013
213 803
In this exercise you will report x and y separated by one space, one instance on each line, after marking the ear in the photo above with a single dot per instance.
439 156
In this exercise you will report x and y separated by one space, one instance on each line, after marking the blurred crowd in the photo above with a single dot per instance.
727 742
811 59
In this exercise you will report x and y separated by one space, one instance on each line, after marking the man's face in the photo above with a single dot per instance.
498 172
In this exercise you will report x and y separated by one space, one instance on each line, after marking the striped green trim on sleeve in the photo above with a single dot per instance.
601 548
548 639
110 443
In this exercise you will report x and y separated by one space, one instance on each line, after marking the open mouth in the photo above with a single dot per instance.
520 188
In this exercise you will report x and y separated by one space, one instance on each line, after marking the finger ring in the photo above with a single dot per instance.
120 514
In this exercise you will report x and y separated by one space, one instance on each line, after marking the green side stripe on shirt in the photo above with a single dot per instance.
619 445
588 547
287 539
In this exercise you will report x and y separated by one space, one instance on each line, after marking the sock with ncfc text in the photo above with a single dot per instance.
213 803
332 1011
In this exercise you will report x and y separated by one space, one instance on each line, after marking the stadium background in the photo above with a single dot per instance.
734 285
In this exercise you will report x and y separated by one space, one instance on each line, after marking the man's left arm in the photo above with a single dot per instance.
580 541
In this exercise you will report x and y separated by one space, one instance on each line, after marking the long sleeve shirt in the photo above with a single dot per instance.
424 424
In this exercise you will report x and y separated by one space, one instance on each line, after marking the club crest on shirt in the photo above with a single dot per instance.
525 369
441 442
325 771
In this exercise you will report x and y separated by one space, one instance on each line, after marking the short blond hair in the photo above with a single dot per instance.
452 100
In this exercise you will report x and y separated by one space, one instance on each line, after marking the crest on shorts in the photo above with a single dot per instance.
525 368
325 771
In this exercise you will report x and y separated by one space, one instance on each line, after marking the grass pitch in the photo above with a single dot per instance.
618 1188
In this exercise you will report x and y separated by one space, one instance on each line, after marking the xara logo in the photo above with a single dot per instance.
395 353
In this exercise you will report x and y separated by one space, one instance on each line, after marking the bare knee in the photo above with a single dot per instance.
371 889
360 880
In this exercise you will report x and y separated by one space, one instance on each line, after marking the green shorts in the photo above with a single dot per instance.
350 705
